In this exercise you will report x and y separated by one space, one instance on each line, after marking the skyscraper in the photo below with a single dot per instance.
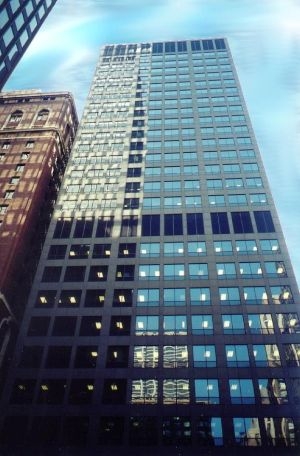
19 22
36 135
164 311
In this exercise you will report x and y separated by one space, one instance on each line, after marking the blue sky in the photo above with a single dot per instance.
264 36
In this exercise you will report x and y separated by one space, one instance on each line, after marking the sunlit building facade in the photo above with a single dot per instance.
19 22
37 131
164 315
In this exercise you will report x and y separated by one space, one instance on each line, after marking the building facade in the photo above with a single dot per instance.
36 135
20 21
164 314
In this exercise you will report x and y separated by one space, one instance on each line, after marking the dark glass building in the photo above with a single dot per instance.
19 22
164 316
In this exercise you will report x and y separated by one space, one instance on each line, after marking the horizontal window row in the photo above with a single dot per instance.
173 225
194 169
212 108
126 297
125 272
157 249
151 431
194 201
204 356
151 391
148 325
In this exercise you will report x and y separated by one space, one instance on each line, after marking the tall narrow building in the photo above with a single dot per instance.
164 315
36 135
19 22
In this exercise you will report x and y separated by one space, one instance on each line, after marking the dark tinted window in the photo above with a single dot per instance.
104 226
74 274
129 226
57 252
264 222
83 228
241 222
173 224
51 274
219 223
134 172
195 224
150 225
62 228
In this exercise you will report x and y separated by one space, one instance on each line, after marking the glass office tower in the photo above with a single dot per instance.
19 22
163 317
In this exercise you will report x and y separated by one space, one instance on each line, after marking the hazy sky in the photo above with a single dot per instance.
264 36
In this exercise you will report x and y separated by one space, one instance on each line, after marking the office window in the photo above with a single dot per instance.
150 249
272 391
226 270
122 297
266 355
214 183
134 172
281 295
237 200
51 274
69 298
241 222
234 183
241 391
198 271
146 325
209 431
81 391
237 355
174 271
252 182
204 356
111 430
125 272
144 392
145 356
255 295
120 325
117 356
233 324
94 298
173 224
264 222
281 432
149 272
200 296
195 223
90 326
62 229
175 325
216 200
288 323
129 226
250 270
150 225
174 297
207 391
269 246
229 296
143 430
260 324
150 187
147 297
51 391
132 203
247 431
246 247
101 251
58 357
83 228
98 273
170 186
219 223
223 247
79 251
291 354
171 201
173 249
57 252
196 248
202 324
45 298
38 326
175 356
275 269
64 326
104 226
114 391
176 391
132 187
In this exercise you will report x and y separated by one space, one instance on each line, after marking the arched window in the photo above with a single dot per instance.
42 115
16 117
